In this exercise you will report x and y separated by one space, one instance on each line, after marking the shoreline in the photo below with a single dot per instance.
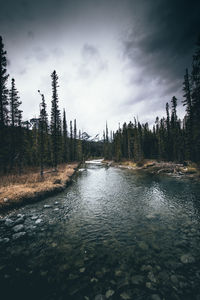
37 191
154 167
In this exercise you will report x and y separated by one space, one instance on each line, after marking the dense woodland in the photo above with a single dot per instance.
51 140
171 138
45 141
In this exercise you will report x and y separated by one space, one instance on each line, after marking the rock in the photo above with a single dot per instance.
155 297
56 209
151 277
174 279
187 259
31 227
47 206
19 220
18 235
20 216
4 240
143 245
5 200
56 203
118 273
82 270
54 245
125 296
146 268
99 297
109 293
9 222
18 228
38 221
93 279
99 274
137 279
34 217
148 285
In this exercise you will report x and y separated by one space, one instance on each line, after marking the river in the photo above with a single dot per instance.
112 234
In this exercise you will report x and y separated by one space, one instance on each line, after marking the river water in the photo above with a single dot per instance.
113 234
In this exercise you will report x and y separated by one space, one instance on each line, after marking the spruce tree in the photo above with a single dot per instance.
71 143
43 132
15 121
55 120
75 141
14 105
3 86
4 148
196 101
189 116
65 152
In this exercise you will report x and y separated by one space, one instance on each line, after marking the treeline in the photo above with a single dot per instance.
171 138
51 140
40 141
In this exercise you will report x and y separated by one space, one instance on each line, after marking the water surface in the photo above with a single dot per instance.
113 233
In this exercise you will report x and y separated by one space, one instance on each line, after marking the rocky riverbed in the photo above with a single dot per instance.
111 235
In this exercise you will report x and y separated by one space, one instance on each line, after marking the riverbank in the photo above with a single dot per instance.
16 190
190 170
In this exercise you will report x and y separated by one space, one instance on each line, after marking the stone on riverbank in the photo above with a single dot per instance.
187 259
18 235
18 228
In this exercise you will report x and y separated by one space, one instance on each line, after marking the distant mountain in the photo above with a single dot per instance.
86 137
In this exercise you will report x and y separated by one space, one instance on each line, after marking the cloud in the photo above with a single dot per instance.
92 63
162 40
115 59
40 54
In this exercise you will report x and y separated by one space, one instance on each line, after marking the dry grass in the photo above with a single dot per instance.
128 163
16 188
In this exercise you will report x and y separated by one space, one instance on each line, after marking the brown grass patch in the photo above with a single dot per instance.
16 188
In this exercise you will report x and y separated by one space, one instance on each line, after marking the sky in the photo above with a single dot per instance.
115 59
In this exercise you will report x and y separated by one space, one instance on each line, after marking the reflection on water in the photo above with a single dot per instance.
113 234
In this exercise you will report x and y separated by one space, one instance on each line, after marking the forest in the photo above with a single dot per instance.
51 140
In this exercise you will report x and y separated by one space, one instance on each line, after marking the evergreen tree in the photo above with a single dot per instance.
4 150
55 120
189 116
43 132
15 121
75 141
71 143
65 141
3 86
196 102
79 148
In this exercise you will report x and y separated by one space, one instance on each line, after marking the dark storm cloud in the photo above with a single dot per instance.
130 53
162 39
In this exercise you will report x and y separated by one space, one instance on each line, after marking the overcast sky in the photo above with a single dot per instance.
115 59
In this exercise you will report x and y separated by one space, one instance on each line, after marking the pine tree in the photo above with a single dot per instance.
174 129
71 143
79 148
65 154
43 132
75 141
3 87
196 102
4 148
14 105
168 137
15 121
55 120
189 116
